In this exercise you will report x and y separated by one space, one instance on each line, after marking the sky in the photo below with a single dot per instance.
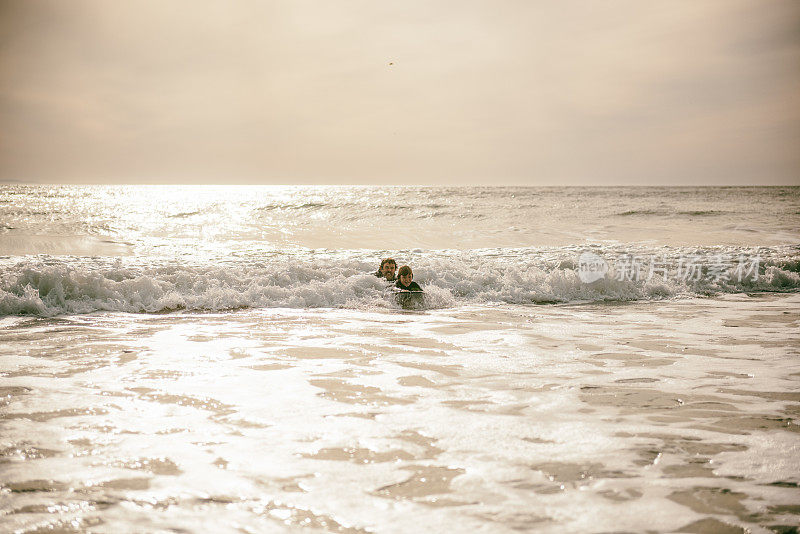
517 92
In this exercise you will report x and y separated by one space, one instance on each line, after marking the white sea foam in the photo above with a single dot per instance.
591 418
52 286
76 249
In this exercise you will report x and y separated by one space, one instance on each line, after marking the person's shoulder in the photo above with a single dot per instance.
413 286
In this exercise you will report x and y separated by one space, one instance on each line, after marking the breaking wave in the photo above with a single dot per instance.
48 286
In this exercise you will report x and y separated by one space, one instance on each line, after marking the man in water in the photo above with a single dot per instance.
387 269
405 281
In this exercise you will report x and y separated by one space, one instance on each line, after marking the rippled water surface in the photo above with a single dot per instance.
597 418
221 359
217 220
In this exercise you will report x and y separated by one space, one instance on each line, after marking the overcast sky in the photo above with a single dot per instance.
413 91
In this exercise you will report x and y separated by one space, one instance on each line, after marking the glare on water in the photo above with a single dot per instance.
219 220
576 418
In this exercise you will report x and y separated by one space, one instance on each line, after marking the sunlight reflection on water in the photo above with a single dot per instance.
217 220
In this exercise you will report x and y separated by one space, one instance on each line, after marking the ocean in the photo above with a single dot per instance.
223 358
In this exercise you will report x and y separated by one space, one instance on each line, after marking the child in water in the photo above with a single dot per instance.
405 279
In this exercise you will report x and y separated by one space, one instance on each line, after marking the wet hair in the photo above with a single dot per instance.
405 269
387 260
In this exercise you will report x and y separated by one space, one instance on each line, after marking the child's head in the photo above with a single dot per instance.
405 274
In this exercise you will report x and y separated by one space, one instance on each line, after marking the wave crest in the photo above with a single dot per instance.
48 287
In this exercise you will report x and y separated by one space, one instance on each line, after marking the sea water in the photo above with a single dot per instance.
224 359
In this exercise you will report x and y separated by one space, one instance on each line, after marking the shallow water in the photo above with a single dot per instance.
650 416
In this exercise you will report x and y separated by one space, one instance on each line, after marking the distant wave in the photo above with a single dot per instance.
641 212
54 286
691 213
185 214
301 206
698 213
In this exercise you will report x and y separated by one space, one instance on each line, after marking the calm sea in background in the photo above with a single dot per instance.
222 358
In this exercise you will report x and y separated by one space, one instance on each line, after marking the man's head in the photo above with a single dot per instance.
406 275
388 266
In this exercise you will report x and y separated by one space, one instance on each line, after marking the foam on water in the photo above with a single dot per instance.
678 417
47 286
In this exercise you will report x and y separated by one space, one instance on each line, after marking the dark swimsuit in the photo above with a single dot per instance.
413 286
